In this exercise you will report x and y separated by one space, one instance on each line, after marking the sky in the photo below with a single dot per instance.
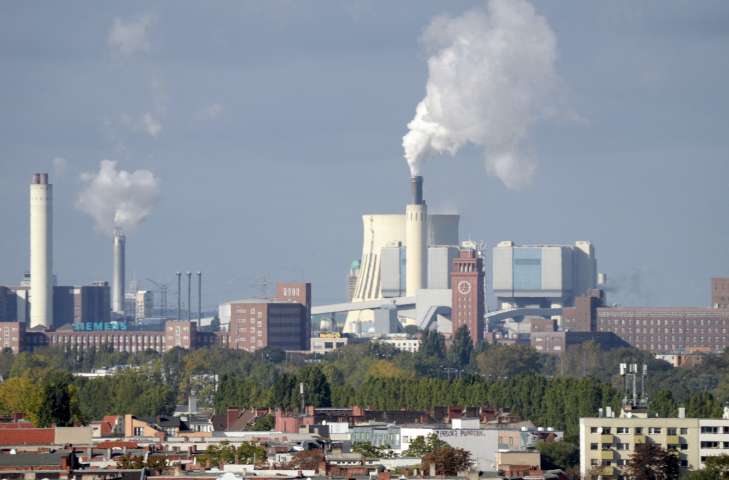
261 132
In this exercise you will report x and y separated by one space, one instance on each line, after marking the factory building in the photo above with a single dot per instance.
144 304
543 276
283 322
388 231
393 269
80 304
720 292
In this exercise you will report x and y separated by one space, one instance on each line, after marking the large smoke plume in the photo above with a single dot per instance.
491 76
118 199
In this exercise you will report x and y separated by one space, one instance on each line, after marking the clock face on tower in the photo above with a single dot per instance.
464 287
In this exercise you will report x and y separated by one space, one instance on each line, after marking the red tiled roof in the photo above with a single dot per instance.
28 436
110 418
104 427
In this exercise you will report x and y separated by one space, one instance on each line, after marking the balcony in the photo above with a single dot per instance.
607 471
607 454
606 439
638 438
672 440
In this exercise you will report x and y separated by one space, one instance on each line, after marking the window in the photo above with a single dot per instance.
623 430
594 461
684 446
654 431
683 463
606 431
622 446
639 430
607 446
709 444
593 429
671 431
593 446
138 431
709 429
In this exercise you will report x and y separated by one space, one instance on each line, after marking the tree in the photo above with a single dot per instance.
562 455
421 446
448 461
703 405
318 392
215 324
411 329
264 424
663 404
15 394
461 347
650 461
6 362
128 462
506 361
225 452
369 450
55 407
384 369
306 460
716 468
432 344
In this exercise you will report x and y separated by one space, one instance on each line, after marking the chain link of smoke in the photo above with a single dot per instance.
491 76
118 198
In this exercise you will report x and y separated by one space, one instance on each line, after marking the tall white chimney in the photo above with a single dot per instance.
416 230
41 251
117 287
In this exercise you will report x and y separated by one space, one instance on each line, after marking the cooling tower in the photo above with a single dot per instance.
117 288
416 228
381 231
41 251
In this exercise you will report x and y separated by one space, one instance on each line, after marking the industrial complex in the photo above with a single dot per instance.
414 270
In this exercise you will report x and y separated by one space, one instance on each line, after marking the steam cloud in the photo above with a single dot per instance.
491 77
117 198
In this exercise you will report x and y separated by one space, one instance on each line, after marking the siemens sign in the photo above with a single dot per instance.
98 327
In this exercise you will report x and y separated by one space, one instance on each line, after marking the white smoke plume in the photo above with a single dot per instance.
118 198
126 38
491 76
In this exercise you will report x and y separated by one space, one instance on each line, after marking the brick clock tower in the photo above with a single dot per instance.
467 281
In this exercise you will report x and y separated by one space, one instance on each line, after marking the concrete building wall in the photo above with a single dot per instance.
74 435
440 260
392 271
611 441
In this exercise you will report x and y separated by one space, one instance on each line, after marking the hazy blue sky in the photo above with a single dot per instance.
273 126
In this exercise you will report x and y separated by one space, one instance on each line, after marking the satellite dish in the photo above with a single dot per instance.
599 429
629 414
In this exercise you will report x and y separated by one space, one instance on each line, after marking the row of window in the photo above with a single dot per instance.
621 314
622 321
640 430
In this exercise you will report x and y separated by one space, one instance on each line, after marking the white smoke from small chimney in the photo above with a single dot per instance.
118 198
491 77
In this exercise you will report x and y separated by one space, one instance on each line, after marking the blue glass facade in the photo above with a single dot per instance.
527 269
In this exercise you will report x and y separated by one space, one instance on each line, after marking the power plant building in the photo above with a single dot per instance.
544 276
80 304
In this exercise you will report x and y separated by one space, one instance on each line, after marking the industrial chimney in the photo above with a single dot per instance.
41 251
117 288
416 228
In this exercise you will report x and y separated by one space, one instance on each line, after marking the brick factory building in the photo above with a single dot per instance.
720 292
283 322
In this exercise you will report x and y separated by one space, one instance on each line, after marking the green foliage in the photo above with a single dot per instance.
55 407
128 461
663 404
7 358
318 392
703 405
373 451
562 455
716 468
421 446
461 348
225 452
432 345
411 329
265 424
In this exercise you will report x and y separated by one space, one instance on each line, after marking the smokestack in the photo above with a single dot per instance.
189 289
199 298
41 251
416 229
179 294
117 288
